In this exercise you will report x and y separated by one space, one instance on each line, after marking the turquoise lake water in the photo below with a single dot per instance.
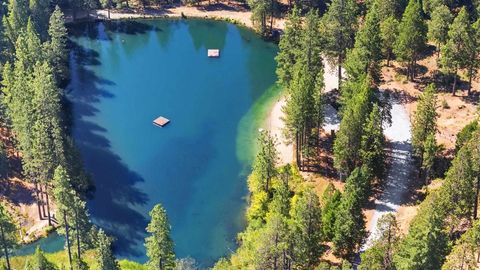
124 75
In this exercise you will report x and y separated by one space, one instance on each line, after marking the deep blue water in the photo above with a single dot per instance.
124 75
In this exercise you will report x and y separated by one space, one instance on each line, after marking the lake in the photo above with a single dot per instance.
127 73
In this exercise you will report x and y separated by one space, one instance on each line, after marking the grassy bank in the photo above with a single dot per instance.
60 259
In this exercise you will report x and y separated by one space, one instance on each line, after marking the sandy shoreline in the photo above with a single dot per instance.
219 11
275 125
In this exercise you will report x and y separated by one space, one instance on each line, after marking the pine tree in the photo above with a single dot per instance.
289 48
39 261
40 12
3 165
81 226
457 52
81 181
264 163
281 200
465 134
57 45
263 13
159 245
389 33
380 255
331 200
460 183
346 148
304 108
411 37
425 118
429 156
300 110
8 236
474 53
390 8
371 150
438 26
350 220
16 20
270 246
6 47
28 49
19 96
47 141
258 208
306 220
425 245
466 251
429 6
366 54
339 24
105 258
64 197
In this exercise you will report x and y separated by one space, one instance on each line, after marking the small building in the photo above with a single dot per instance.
214 53
161 121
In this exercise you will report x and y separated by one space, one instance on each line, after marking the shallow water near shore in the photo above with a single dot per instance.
127 73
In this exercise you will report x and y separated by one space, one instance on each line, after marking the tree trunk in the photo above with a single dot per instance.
297 146
78 236
389 55
454 83
67 238
339 71
412 70
48 206
42 198
275 256
40 216
5 248
427 175
271 15
470 77
477 194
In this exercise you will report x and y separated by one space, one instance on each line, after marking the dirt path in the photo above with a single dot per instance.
399 173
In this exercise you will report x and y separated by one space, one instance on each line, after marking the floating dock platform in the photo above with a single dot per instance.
161 121
214 53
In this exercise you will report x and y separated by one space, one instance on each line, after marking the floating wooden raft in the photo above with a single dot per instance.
161 121
214 53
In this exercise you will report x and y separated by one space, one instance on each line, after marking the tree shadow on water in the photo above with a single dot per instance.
104 30
116 194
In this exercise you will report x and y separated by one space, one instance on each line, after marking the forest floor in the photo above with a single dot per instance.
454 112
18 195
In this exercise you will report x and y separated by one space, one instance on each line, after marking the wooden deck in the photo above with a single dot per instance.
214 53
161 121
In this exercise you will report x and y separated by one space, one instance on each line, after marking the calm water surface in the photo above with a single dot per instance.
124 75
